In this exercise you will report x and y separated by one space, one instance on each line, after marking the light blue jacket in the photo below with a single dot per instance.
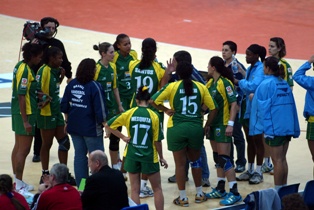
307 83
254 76
273 109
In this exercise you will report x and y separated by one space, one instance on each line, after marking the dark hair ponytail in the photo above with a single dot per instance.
118 41
277 68
149 48
259 50
184 70
6 188
219 64
142 94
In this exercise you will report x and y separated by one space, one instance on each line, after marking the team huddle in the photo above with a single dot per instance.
120 90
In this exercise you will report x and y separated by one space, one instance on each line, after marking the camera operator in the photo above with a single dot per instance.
46 37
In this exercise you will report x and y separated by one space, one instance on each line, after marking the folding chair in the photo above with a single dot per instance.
308 194
143 206
288 189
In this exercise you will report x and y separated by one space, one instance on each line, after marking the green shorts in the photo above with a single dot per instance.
184 135
132 166
18 125
126 102
50 122
310 131
218 134
277 140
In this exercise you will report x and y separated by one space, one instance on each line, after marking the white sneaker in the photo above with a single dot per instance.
147 192
25 187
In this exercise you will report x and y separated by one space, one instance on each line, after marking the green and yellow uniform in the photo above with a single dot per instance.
124 77
48 79
185 126
144 129
107 77
223 92
24 83
288 72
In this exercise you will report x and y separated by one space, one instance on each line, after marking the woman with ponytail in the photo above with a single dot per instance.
255 55
185 134
221 129
143 145
274 114
9 198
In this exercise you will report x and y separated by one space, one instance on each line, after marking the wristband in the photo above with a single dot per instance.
230 123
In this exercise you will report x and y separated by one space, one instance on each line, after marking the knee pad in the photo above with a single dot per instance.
216 159
197 163
225 163
64 143
114 143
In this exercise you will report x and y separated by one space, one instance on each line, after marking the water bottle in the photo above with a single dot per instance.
234 65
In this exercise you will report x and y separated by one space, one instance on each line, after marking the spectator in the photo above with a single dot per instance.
60 195
9 198
105 188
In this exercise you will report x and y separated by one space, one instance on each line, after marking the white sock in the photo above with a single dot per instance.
259 169
231 184
251 168
182 194
221 179
143 184
14 177
277 187
199 190
18 184
116 166
267 161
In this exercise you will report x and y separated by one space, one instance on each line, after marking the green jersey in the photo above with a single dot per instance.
24 83
288 72
107 77
123 73
144 128
223 92
48 81
187 108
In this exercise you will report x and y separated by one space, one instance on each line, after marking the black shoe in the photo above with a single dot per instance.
173 179
239 169
36 158
71 180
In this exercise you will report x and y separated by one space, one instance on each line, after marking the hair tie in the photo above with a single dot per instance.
144 88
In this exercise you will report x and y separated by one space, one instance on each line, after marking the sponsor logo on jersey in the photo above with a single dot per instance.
217 131
37 78
229 91
289 70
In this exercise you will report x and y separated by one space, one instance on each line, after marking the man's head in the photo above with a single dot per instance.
97 159
51 24
58 174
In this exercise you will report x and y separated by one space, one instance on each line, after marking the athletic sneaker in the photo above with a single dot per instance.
199 198
184 202
246 176
230 199
147 192
25 187
205 182
256 178
267 168
216 194
271 172
239 169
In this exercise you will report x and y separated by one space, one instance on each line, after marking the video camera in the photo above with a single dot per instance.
33 30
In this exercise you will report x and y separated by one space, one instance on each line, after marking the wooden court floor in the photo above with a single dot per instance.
79 41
